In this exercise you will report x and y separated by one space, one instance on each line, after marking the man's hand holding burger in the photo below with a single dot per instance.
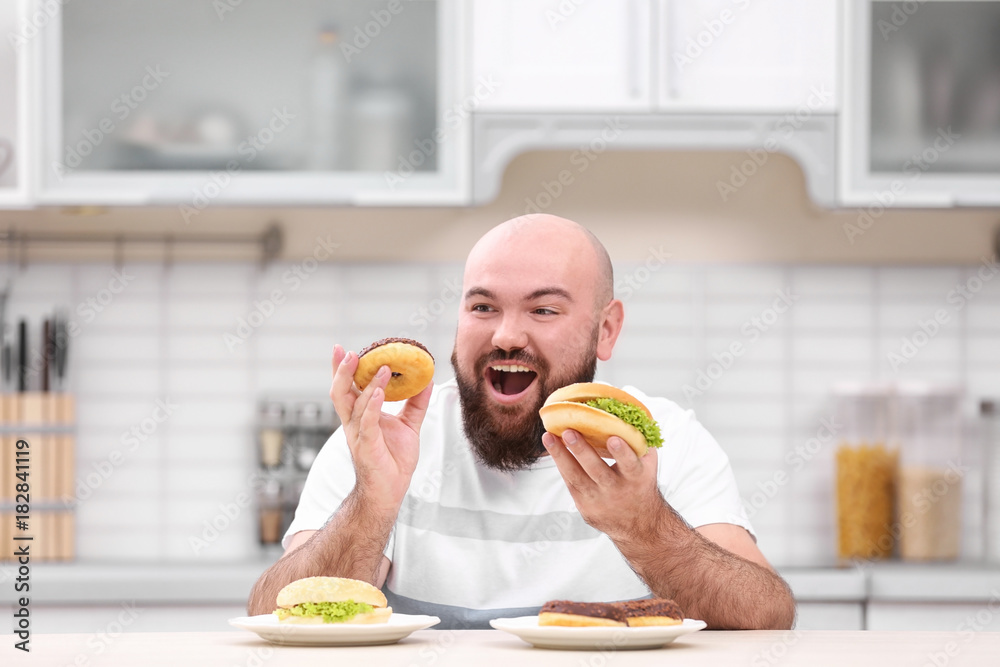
695 567
615 499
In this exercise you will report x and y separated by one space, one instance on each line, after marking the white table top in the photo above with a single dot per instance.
489 648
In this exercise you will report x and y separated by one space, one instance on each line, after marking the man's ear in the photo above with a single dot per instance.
612 318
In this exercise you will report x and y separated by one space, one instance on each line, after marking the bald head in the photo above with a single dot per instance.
562 239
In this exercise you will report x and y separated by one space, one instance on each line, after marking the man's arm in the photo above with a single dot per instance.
350 545
729 591
715 575
384 449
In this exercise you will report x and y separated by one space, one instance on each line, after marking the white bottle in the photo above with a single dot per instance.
382 129
328 93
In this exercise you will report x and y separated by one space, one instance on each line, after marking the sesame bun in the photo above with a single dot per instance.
330 589
566 408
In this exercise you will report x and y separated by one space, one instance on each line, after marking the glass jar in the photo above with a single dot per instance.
929 499
990 422
271 434
269 501
866 471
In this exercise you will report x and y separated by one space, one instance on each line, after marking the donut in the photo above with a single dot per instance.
411 364
581 614
655 611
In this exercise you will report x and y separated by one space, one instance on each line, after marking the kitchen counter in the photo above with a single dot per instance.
490 647
928 583
74 583
146 583
79 597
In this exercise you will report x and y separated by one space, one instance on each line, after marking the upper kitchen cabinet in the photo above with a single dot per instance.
563 55
14 134
732 56
921 114
741 56
194 103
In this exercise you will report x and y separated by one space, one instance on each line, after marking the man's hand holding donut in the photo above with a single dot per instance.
384 447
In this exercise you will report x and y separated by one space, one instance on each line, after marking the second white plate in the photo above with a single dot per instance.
552 636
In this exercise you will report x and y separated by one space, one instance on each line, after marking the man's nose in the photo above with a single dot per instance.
510 334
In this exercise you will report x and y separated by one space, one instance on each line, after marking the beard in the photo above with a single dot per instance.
508 438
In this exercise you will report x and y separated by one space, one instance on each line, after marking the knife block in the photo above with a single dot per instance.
46 422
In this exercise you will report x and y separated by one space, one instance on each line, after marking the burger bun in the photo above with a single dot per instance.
566 408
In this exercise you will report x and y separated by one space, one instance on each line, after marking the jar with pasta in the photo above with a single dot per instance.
866 463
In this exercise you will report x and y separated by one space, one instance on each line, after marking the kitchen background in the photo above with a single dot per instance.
181 350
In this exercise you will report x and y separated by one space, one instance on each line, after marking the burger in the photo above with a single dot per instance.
598 411
316 600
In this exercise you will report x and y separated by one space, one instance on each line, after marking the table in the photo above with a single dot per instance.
464 648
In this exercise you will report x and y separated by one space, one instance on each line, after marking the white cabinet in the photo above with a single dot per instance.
193 104
731 56
563 55
741 56
920 122
830 616
14 128
934 616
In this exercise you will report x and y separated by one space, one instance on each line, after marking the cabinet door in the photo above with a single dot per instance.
563 55
195 103
933 616
13 103
921 105
745 56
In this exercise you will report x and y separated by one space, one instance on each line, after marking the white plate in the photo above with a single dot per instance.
605 639
334 634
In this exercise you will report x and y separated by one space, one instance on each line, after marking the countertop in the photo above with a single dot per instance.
150 583
490 647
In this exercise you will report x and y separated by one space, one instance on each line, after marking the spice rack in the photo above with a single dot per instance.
290 434
46 421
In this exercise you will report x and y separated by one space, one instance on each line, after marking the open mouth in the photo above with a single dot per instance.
510 379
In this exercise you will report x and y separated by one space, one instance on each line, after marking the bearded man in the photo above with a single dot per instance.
460 505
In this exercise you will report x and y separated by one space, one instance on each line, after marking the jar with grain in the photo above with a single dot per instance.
866 462
929 493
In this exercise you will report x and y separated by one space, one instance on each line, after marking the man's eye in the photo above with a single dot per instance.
481 308
544 311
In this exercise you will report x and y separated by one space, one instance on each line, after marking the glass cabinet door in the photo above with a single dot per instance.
12 130
935 79
922 115
344 96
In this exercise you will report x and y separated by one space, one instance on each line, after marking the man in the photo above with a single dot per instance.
460 505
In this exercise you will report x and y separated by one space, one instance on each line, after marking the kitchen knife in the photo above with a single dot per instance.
46 353
22 356
61 349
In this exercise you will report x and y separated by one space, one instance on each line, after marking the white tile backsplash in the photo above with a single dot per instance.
835 315
918 281
162 338
982 314
834 282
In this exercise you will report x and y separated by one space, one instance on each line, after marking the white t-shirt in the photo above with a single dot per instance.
471 544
